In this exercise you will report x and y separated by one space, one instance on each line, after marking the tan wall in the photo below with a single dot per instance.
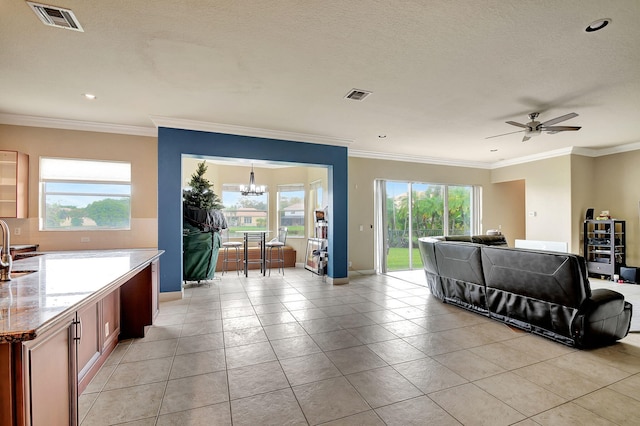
141 151
547 197
583 196
362 174
616 183
509 197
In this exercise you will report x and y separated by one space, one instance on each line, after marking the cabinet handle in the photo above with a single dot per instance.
78 325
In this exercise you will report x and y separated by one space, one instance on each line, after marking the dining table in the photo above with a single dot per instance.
255 236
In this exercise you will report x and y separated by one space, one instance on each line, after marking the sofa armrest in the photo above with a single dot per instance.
604 317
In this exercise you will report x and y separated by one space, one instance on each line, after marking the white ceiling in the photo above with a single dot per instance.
444 74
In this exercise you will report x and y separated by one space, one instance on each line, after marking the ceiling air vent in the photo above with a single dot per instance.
56 16
357 95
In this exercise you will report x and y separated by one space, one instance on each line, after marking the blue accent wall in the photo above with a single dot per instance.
173 143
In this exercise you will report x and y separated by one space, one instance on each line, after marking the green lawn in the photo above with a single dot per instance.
398 259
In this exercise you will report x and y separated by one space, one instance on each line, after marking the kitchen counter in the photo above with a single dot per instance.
63 282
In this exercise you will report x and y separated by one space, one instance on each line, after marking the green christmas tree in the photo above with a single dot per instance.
201 195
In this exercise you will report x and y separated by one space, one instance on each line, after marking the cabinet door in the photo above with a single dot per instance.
14 180
89 339
51 389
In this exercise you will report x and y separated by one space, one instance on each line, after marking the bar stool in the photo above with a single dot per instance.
226 245
278 245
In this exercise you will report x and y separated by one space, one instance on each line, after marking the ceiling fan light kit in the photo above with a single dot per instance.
534 127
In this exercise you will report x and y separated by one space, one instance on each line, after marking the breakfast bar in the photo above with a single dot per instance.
61 315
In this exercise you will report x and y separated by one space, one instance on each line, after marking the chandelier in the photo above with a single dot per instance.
252 189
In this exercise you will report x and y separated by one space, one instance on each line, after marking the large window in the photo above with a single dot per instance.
291 209
244 213
410 210
84 194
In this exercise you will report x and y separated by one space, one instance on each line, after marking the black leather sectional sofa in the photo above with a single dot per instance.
546 293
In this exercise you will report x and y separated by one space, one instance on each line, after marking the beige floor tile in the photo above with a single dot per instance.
85 401
470 405
382 386
338 310
629 387
269 308
468 365
244 336
613 406
118 353
276 318
320 325
395 351
155 333
150 421
353 320
200 317
294 346
254 353
366 418
282 331
538 347
211 415
198 363
433 343
338 339
504 356
429 375
366 307
383 316
329 399
240 311
237 323
268 409
417 411
570 414
151 350
100 379
356 359
581 363
560 381
255 379
170 319
309 368
372 333
139 373
519 393
193 392
404 328
200 343
198 328
616 356
123 405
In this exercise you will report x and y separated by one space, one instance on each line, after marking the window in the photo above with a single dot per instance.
291 209
84 194
244 212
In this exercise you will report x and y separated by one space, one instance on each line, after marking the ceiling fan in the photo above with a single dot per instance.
534 128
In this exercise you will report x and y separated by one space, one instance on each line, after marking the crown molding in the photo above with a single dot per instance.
599 152
179 123
418 159
534 157
87 126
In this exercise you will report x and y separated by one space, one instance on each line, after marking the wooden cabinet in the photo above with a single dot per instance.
604 246
14 184
50 372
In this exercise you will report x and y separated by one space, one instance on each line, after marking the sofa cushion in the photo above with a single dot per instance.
460 271
490 240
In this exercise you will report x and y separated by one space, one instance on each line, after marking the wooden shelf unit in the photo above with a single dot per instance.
14 184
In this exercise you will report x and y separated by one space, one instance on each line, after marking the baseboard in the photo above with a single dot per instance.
338 281
362 272
170 295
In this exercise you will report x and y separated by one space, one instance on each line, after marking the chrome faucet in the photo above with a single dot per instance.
5 253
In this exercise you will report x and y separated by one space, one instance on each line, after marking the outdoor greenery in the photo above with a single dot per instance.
108 213
398 259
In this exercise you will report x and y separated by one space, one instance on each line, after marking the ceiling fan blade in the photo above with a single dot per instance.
555 129
526 138
559 119
513 123
505 134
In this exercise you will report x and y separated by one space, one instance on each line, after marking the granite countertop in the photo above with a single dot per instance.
61 283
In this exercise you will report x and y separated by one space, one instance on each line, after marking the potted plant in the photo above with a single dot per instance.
202 221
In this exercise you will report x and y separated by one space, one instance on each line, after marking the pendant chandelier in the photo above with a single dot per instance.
252 189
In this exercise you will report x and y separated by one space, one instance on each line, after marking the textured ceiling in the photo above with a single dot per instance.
444 74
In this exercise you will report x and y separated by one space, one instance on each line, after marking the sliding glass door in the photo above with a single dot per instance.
407 211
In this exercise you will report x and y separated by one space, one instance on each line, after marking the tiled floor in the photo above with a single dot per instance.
380 350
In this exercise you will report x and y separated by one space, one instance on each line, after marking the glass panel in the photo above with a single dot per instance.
397 218
84 212
428 209
291 209
459 200
244 213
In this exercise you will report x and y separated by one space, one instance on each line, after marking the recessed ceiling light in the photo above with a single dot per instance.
89 96
598 25
494 150
382 136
